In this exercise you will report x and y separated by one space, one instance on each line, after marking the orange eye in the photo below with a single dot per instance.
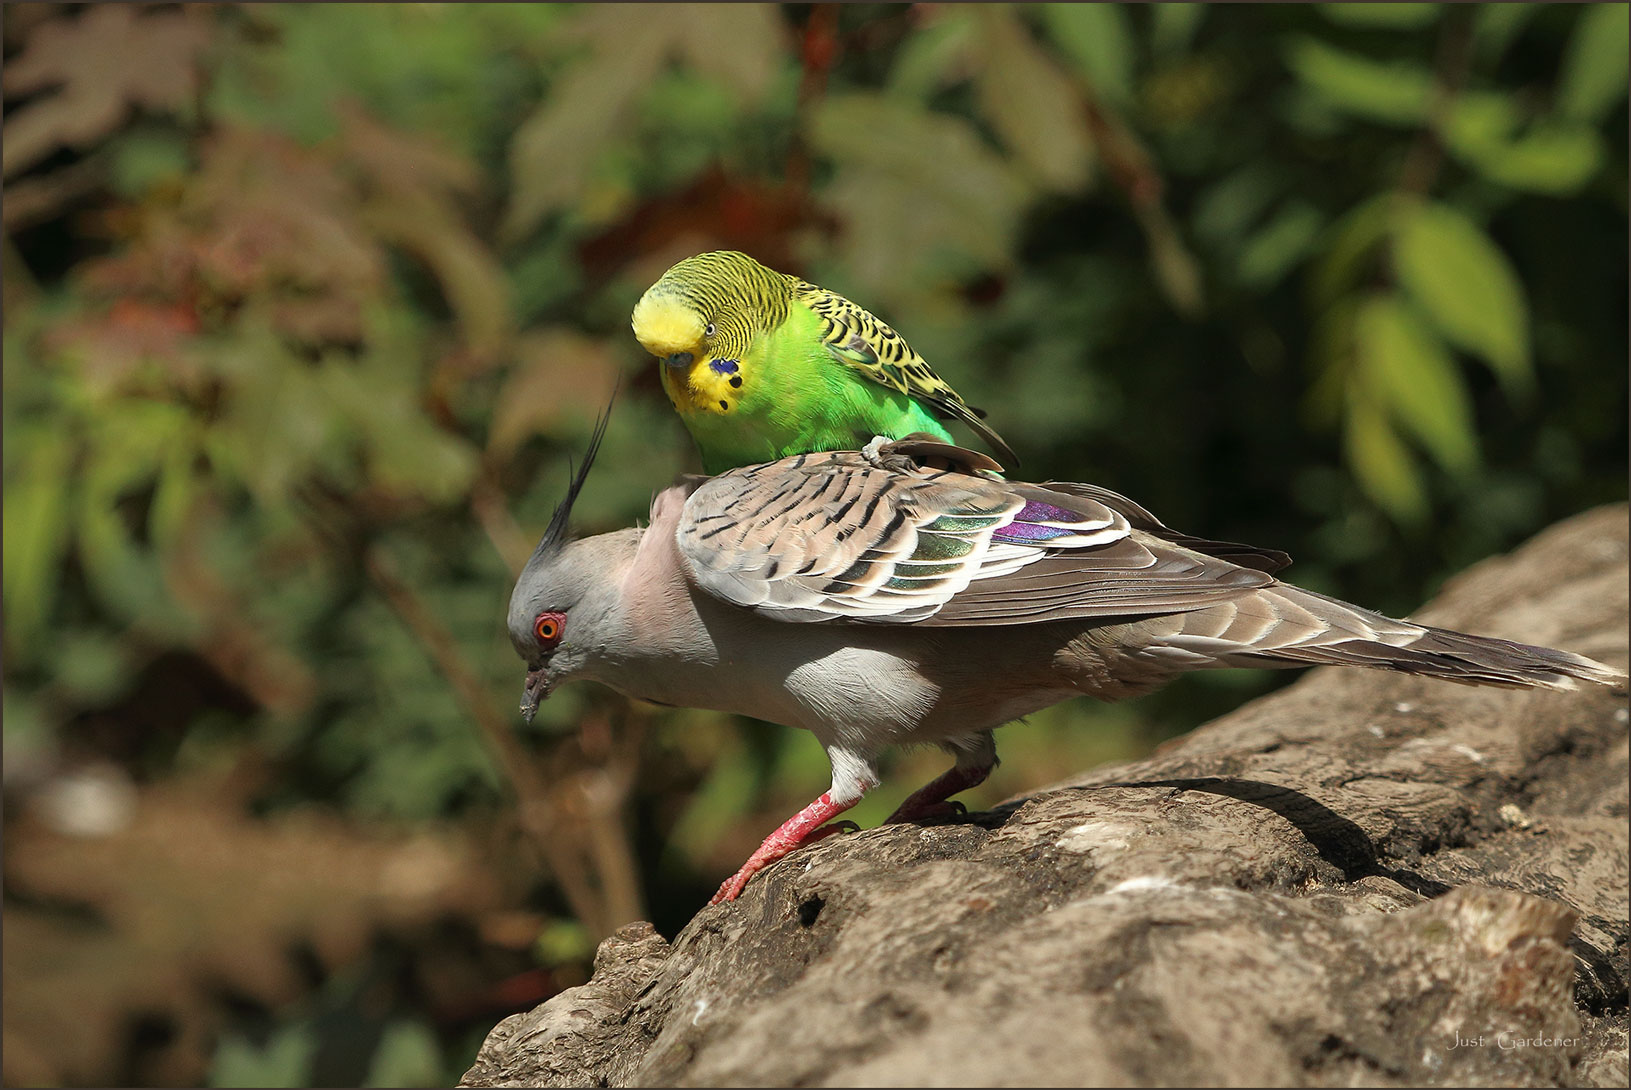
548 627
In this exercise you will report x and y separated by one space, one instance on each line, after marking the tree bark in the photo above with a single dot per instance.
1363 879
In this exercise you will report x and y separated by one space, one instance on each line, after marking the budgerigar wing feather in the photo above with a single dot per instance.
839 537
858 339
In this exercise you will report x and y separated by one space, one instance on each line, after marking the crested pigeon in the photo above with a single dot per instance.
908 594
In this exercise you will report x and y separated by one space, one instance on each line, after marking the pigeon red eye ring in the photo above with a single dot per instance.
548 628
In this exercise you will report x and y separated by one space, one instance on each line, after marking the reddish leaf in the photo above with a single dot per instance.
714 212
559 374
110 59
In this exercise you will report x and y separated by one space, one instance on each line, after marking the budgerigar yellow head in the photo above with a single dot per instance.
699 319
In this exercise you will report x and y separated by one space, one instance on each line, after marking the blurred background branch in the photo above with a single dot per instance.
306 306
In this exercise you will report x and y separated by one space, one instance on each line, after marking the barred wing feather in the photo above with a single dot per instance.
859 339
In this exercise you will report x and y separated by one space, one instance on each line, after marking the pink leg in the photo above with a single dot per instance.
804 827
971 769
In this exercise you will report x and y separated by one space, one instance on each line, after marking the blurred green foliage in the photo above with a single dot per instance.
305 305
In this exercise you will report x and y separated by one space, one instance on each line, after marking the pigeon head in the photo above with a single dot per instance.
554 604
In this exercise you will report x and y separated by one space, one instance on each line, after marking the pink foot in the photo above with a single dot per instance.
805 827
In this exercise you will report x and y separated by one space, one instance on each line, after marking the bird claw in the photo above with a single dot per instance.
872 452
946 808
732 887
830 829
882 453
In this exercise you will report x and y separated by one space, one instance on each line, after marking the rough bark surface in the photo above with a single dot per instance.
1331 886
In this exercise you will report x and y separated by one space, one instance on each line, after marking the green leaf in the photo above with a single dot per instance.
36 523
1479 123
131 447
1030 103
1097 38
1405 368
1551 159
147 157
1394 92
1387 16
457 72
555 152
1278 245
741 45
29 740
1595 69
173 498
472 280
934 55
284 1061
1228 207
1331 354
1495 26
271 418
90 666
124 576
1349 244
910 181
1382 464
1466 285
1174 25
563 941
1554 157
408 1055
403 450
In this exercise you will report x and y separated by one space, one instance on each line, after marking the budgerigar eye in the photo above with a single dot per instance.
708 330
549 628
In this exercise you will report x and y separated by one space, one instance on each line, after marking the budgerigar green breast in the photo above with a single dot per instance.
762 365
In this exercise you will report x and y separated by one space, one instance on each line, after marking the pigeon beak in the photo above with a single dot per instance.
536 689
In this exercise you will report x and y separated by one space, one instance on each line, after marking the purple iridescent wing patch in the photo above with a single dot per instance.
1026 531
1030 524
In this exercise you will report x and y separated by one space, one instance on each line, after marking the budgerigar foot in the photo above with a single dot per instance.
871 451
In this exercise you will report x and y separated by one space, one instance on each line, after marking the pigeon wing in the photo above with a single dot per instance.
838 537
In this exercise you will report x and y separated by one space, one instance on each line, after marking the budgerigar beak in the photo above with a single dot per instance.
535 690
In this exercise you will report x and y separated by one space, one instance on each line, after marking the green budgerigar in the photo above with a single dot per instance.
762 365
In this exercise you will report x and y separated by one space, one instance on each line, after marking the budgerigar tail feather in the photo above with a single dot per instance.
1296 627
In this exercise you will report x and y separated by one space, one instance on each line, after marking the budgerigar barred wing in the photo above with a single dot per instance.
858 339
834 537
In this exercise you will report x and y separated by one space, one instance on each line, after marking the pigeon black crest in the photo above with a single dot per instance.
555 534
